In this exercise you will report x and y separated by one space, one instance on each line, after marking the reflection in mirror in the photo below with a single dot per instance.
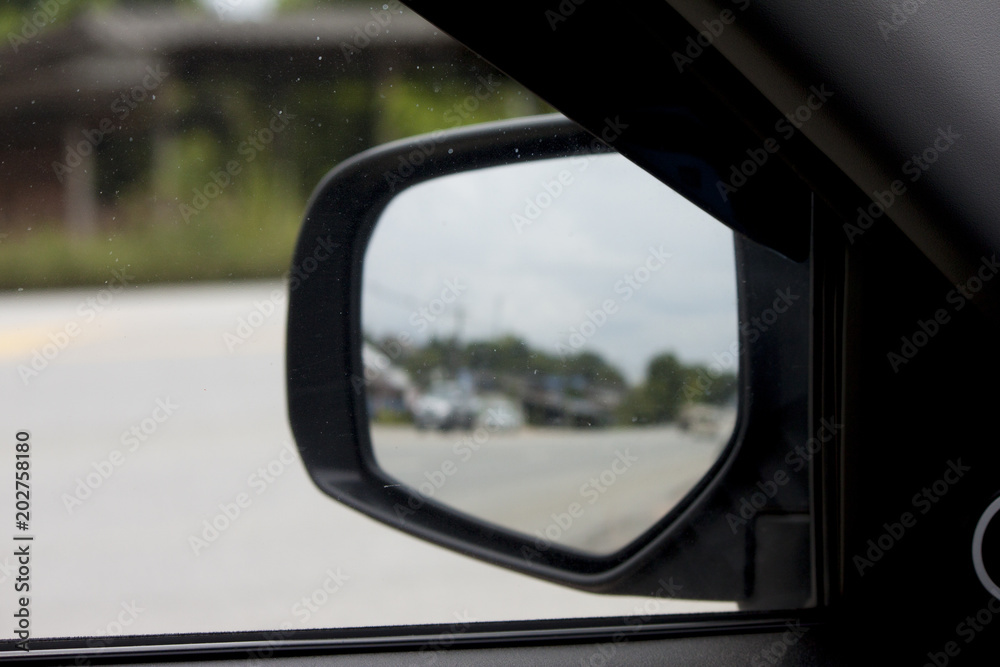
551 346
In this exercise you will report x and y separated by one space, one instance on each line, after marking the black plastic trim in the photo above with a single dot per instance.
276 643
328 413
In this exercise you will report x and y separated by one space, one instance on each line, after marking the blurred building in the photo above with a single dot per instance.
557 400
69 91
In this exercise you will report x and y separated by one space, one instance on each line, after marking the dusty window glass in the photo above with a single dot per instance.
152 179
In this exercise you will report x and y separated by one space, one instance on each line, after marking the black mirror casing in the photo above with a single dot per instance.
694 545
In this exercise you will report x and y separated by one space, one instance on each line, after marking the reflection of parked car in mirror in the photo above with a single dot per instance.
445 406
498 412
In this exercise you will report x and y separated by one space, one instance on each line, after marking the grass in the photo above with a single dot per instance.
219 249
232 238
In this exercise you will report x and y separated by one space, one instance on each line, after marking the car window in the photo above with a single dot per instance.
149 202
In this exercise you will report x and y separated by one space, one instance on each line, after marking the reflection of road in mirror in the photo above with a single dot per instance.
593 489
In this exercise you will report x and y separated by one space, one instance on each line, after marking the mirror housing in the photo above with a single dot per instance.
711 556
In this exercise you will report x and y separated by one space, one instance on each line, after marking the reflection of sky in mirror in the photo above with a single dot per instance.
537 273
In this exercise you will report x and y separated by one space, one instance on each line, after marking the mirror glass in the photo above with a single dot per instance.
551 346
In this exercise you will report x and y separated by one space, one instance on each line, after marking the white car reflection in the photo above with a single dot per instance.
447 405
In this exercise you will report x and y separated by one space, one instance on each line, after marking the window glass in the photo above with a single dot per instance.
152 181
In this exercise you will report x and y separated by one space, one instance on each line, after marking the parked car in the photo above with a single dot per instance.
446 405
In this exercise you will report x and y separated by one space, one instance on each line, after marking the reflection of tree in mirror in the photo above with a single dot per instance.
447 383
667 389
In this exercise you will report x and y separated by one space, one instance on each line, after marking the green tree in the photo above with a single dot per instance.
704 385
512 356
660 397
439 355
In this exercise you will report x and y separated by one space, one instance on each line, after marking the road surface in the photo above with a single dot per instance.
156 412
592 489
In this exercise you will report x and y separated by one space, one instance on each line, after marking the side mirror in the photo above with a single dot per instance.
478 354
